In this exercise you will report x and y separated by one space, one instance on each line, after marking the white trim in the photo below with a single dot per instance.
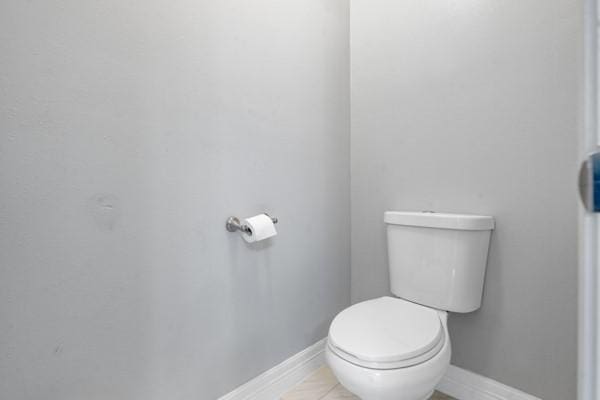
588 365
271 384
458 382
466 385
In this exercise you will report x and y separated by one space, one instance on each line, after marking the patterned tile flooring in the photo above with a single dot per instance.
322 385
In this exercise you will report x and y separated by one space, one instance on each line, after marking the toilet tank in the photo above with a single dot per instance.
437 259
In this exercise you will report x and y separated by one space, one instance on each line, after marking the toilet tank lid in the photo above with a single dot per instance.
430 219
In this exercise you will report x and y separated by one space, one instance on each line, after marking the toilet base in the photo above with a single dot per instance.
411 383
416 382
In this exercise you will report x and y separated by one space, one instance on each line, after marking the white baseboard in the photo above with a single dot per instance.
273 383
466 385
458 383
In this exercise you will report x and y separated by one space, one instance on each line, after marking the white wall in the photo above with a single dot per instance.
129 131
471 106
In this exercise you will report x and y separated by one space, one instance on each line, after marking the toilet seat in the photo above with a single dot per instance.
386 333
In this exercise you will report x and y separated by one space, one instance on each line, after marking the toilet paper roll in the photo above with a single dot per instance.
262 228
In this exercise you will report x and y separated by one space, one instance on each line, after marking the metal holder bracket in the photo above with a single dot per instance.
233 224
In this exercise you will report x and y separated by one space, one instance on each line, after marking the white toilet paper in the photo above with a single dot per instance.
262 228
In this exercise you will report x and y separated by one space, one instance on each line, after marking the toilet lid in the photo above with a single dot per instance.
386 332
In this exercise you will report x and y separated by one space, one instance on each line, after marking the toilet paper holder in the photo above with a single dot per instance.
233 224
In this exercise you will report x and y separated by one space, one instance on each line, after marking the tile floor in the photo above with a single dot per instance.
322 385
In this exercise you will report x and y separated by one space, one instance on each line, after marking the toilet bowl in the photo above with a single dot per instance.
398 348
389 349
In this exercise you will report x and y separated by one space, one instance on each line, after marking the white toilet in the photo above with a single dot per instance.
398 348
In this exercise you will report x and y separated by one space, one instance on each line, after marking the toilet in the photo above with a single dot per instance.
398 348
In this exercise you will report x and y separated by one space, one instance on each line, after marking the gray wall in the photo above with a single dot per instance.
471 106
129 132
